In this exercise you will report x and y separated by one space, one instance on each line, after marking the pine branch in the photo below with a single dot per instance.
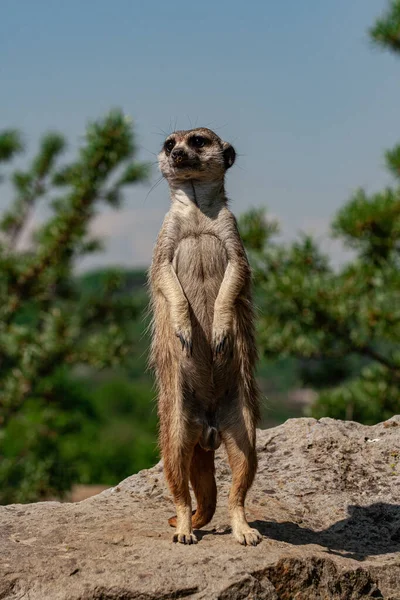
380 358
10 144
94 333
108 144
30 186
386 30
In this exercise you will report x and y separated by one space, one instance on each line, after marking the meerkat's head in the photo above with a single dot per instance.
195 154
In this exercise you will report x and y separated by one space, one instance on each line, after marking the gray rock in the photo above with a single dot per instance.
326 499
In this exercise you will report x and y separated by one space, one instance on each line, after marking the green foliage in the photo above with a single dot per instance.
255 230
371 226
121 439
393 160
336 322
48 325
342 325
10 144
386 30
371 397
33 463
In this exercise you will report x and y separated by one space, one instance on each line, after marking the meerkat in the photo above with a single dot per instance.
203 347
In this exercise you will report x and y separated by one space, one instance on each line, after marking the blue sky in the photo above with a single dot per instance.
307 100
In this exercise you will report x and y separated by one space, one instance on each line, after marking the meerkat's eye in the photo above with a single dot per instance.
198 141
169 144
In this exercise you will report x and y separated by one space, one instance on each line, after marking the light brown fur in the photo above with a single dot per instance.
203 347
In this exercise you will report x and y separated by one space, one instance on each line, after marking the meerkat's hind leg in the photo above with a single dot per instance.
202 479
177 457
239 441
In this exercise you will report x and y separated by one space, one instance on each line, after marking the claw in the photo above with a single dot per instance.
220 346
188 538
186 343
182 339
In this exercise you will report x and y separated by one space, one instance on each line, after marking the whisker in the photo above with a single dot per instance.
221 126
149 151
160 132
153 187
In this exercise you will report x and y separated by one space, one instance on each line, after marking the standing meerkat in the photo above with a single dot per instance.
203 347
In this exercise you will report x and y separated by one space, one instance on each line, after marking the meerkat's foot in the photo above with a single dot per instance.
242 531
184 533
247 536
184 538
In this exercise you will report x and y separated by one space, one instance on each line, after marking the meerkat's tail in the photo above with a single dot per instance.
202 478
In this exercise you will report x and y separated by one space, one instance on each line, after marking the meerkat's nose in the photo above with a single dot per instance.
178 155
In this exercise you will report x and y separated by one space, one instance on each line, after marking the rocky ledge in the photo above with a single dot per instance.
326 499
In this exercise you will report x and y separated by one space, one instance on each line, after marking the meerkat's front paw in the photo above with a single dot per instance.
220 339
247 536
185 538
185 337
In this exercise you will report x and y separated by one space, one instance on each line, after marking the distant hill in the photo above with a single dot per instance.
132 280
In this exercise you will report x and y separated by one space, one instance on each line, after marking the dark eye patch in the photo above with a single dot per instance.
169 144
198 141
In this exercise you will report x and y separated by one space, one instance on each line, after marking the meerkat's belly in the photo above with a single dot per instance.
200 263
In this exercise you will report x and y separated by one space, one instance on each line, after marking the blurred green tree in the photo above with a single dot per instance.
343 324
47 325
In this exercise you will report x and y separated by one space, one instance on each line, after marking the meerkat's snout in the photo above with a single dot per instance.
179 156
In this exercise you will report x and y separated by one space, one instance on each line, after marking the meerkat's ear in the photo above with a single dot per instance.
229 155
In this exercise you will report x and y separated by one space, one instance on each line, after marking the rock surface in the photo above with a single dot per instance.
326 499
